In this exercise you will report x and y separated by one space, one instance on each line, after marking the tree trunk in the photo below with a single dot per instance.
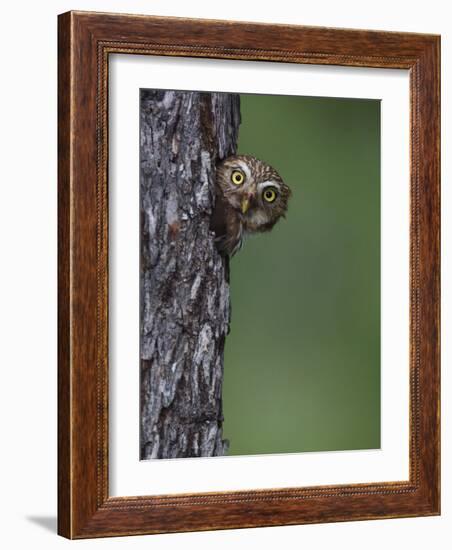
184 281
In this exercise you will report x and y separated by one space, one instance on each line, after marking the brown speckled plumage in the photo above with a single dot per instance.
244 208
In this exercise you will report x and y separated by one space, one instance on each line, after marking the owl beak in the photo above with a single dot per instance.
245 204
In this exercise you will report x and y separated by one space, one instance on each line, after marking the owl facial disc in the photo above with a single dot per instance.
251 198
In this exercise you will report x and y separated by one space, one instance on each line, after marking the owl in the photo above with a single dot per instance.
250 198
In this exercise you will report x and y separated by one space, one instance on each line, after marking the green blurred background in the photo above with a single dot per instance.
302 360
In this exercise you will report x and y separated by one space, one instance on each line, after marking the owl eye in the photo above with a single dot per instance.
237 177
269 195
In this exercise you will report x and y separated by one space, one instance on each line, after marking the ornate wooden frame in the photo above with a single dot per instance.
85 42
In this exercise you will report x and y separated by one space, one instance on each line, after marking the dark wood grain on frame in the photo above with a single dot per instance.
85 42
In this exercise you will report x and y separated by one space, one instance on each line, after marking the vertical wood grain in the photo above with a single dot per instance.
64 297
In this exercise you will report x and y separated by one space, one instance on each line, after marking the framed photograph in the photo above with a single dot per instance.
248 275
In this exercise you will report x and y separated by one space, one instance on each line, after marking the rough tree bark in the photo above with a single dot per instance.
184 281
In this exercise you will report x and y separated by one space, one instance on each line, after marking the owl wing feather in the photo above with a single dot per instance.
227 227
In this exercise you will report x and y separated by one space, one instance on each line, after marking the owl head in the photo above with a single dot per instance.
254 190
